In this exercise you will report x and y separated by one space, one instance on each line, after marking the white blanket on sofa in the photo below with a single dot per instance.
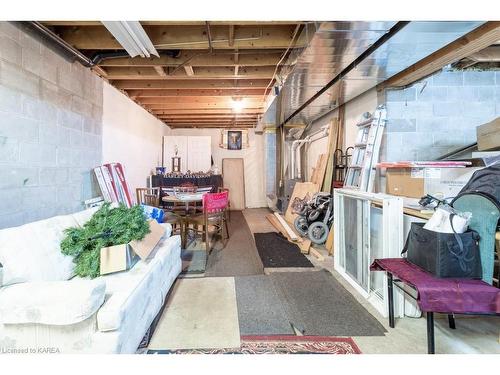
51 302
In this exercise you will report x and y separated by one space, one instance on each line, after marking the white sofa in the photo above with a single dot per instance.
45 309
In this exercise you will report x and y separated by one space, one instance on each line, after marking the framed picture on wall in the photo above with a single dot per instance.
234 140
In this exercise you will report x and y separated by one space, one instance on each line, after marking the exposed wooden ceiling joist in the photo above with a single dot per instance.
189 70
212 121
200 73
187 37
204 111
196 92
476 40
231 35
197 58
159 70
170 23
214 125
191 84
204 116
214 115
199 99
255 106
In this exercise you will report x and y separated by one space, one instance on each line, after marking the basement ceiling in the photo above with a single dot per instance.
337 44
204 67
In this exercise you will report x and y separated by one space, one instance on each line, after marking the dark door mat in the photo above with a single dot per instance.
260 310
276 252
319 305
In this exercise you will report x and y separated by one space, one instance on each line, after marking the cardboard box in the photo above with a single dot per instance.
123 257
117 258
488 135
417 182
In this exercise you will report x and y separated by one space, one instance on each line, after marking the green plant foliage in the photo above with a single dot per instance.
107 227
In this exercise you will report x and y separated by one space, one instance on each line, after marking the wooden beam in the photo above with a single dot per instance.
210 115
208 123
195 58
214 106
197 92
214 111
211 121
189 70
207 115
160 71
316 253
237 67
231 36
187 37
175 23
255 100
215 125
476 40
191 84
263 72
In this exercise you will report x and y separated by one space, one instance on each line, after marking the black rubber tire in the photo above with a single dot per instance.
300 224
318 232
313 216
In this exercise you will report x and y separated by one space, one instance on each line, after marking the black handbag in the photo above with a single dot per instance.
444 255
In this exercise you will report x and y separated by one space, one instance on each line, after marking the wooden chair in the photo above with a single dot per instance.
214 208
151 197
148 196
228 210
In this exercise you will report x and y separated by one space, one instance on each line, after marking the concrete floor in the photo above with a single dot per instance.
473 334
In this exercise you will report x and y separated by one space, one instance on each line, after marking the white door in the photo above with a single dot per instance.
199 153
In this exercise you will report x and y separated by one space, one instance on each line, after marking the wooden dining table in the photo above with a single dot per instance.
189 198
188 211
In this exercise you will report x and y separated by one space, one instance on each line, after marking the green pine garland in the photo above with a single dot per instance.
107 227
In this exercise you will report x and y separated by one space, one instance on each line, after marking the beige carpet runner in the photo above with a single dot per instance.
200 313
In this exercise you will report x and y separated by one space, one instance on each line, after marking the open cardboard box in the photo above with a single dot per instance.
123 257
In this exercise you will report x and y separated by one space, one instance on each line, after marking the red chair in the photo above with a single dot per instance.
214 214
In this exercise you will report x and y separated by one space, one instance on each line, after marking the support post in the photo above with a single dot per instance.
390 293
451 321
430 333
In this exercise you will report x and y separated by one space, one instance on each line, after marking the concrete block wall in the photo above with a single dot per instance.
50 130
439 114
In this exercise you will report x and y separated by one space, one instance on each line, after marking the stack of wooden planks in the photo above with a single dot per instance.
321 180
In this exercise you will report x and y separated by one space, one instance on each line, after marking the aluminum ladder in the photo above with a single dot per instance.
361 173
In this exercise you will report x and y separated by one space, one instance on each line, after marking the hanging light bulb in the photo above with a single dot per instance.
238 104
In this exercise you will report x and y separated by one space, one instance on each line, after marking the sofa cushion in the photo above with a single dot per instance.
51 302
31 252
132 292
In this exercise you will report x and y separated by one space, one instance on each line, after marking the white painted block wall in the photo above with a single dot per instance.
131 136
255 192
